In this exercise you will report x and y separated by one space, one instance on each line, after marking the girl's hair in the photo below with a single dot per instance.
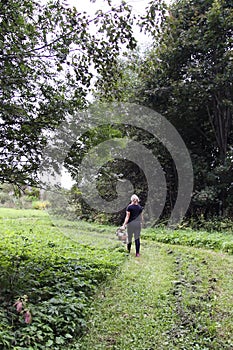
134 198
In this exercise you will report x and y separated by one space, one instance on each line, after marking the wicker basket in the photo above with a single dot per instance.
122 235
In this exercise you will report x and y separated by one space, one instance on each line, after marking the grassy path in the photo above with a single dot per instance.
132 305
169 298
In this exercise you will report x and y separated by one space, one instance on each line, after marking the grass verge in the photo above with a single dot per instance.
222 241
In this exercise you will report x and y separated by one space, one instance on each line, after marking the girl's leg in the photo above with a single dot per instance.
137 245
129 247
130 235
137 237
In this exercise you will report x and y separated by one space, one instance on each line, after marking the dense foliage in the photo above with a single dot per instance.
48 278
188 79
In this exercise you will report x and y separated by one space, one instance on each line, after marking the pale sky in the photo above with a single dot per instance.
138 5
138 8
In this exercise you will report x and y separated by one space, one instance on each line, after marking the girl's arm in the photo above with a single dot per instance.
126 219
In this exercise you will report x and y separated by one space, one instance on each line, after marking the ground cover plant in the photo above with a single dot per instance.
48 277
215 240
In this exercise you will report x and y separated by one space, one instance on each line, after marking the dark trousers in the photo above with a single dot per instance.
134 228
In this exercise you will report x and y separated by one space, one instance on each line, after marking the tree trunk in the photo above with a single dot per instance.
221 121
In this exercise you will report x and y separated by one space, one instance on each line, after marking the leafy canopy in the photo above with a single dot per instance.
48 58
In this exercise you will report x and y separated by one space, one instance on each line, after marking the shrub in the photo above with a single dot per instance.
40 205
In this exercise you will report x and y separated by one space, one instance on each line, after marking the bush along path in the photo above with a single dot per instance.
172 297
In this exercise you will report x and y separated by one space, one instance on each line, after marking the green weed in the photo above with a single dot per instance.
187 237
47 278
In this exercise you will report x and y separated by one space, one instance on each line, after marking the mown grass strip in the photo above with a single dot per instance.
171 298
129 311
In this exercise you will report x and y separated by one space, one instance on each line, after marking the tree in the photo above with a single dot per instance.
187 76
48 56
106 169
